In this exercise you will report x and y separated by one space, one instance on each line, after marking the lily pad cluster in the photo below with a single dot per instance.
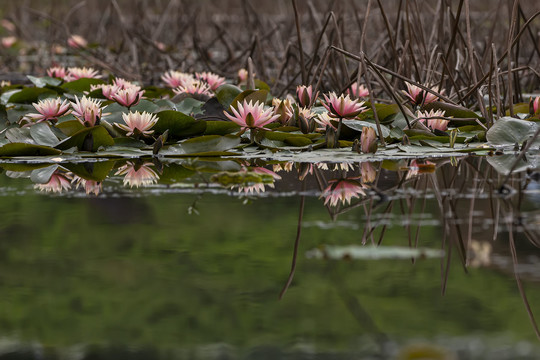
74 111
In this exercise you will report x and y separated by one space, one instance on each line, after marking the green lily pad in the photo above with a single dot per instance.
43 135
226 94
358 125
30 95
250 95
88 139
220 127
44 81
179 124
24 149
509 131
70 127
81 85
174 173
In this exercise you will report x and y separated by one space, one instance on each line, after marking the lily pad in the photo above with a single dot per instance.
88 139
227 93
43 135
30 95
24 149
509 131
359 124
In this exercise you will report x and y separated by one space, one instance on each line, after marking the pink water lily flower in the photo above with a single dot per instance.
128 97
76 73
342 107
57 72
419 96
8 41
138 175
77 41
324 120
342 191
136 121
87 110
358 91
58 183
433 119
368 140
194 87
49 109
243 76
213 80
108 90
174 79
251 115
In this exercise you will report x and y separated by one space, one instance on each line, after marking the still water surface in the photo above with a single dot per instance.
195 271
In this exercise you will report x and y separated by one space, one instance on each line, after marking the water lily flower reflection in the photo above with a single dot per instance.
90 186
259 187
138 122
57 183
342 191
342 106
136 175
49 109
250 116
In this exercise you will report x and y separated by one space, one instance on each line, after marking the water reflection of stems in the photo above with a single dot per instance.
296 242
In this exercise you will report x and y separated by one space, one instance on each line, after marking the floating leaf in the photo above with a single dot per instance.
43 135
70 127
81 85
221 127
30 95
19 135
509 131
451 110
44 81
88 139
226 94
24 149
190 106
178 124
211 143
250 95
358 125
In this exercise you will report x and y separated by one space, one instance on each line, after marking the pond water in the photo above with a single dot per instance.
181 263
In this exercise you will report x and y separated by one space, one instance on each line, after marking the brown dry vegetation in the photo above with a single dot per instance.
395 40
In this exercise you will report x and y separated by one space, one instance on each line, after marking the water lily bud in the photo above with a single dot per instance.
306 124
332 140
368 140
534 106
305 95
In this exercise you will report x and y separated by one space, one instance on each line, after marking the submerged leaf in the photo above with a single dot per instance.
510 131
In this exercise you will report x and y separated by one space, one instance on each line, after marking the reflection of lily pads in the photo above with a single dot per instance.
97 171
358 252
503 163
